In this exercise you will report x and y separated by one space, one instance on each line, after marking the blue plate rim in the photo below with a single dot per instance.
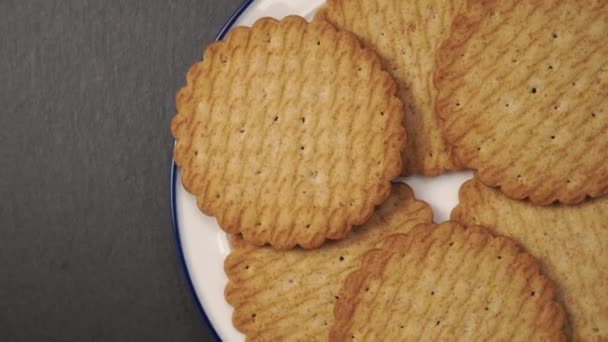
173 184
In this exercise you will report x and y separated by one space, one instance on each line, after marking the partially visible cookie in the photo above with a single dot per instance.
446 283
406 34
523 95
290 295
570 241
288 132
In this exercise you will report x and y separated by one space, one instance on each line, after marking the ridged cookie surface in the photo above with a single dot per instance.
290 295
406 34
523 90
570 241
288 132
447 283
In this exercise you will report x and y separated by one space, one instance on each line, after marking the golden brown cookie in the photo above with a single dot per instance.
570 241
406 34
289 295
446 283
523 92
288 132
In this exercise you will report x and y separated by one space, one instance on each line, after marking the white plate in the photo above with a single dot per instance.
201 244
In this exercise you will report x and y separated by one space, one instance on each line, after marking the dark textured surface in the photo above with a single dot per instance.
86 92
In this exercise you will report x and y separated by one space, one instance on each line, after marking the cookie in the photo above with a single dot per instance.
290 295
446 283
288 132
570 241
406 34
522 92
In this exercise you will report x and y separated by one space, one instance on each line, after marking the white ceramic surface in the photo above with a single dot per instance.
205 246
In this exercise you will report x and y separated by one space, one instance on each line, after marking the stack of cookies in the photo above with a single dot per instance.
290 133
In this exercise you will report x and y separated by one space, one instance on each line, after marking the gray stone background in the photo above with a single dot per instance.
87 92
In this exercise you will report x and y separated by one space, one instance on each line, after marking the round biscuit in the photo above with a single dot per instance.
446 283
288 132
523 97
